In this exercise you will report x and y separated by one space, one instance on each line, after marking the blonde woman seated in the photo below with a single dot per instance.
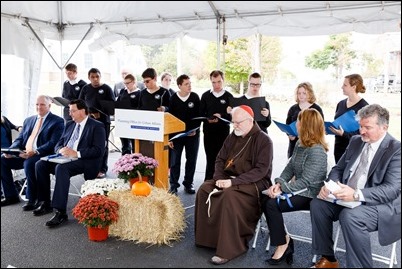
304 173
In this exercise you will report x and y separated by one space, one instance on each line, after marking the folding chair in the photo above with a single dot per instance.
72 184
390 261
263 230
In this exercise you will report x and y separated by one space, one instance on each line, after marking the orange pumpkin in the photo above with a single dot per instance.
141 188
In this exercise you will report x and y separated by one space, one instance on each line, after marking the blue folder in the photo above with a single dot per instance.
289 129
346 120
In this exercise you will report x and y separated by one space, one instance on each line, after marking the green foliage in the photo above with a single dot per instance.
161 57
336 53
239 58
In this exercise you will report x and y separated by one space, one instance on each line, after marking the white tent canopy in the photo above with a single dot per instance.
25 24
156 22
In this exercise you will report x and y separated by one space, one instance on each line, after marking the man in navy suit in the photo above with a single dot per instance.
378 187
49 129
83 138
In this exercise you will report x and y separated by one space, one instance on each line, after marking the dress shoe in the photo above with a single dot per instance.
189 190
101 175
173 191
218 260
57 219
10 201
29 206
324 263
43 209
287 255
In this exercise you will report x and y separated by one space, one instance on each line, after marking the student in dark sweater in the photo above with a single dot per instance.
352 86
214 104
305 98
92 94
153 97
128 99
71 88
184 105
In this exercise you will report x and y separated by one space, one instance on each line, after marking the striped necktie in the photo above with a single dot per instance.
74 137
361 168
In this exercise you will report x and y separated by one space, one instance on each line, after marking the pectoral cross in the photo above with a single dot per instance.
229 163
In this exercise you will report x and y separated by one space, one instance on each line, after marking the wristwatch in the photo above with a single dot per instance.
356 195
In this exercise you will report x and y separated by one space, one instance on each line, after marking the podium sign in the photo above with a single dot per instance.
140 124
151 126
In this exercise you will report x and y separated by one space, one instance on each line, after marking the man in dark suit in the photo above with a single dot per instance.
38 137
83 138
377 186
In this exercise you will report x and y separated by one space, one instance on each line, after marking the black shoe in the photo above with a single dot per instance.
43 209
10 201
287 255
30 206
173 191
57 219
189 190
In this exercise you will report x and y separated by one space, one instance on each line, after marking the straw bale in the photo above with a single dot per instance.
155 219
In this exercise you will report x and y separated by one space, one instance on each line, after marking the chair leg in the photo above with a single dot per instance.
24 187
256 233
390 261
337 239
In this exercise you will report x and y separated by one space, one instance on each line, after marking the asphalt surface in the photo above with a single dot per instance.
27 242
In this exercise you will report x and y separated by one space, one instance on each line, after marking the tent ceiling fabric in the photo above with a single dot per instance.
156 22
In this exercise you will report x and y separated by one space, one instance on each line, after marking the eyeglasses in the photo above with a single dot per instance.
239 122
257 85
147 80
126 83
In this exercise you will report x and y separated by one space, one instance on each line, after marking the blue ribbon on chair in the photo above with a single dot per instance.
285 196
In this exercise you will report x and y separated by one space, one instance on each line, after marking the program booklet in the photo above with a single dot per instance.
58 158
332 186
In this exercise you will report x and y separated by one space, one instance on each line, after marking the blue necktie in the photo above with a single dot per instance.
74 137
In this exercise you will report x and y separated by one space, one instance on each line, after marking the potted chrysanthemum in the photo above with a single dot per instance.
96 212
103 186
128 166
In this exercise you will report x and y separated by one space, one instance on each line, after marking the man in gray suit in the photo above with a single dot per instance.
378 188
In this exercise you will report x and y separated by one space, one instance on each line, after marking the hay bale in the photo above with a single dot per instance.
155 219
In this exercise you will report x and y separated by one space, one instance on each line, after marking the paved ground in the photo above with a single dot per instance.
26 242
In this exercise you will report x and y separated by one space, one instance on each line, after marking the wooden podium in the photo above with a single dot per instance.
161 149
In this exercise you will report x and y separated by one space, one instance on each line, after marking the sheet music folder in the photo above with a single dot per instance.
346 120
60 101
256 103
289 129
15 152
184 134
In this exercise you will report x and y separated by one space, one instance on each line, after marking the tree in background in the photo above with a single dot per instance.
337 53
242 56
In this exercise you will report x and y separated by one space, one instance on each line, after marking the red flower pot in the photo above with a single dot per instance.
98 234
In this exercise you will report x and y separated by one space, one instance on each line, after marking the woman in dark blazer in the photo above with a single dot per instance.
6 127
